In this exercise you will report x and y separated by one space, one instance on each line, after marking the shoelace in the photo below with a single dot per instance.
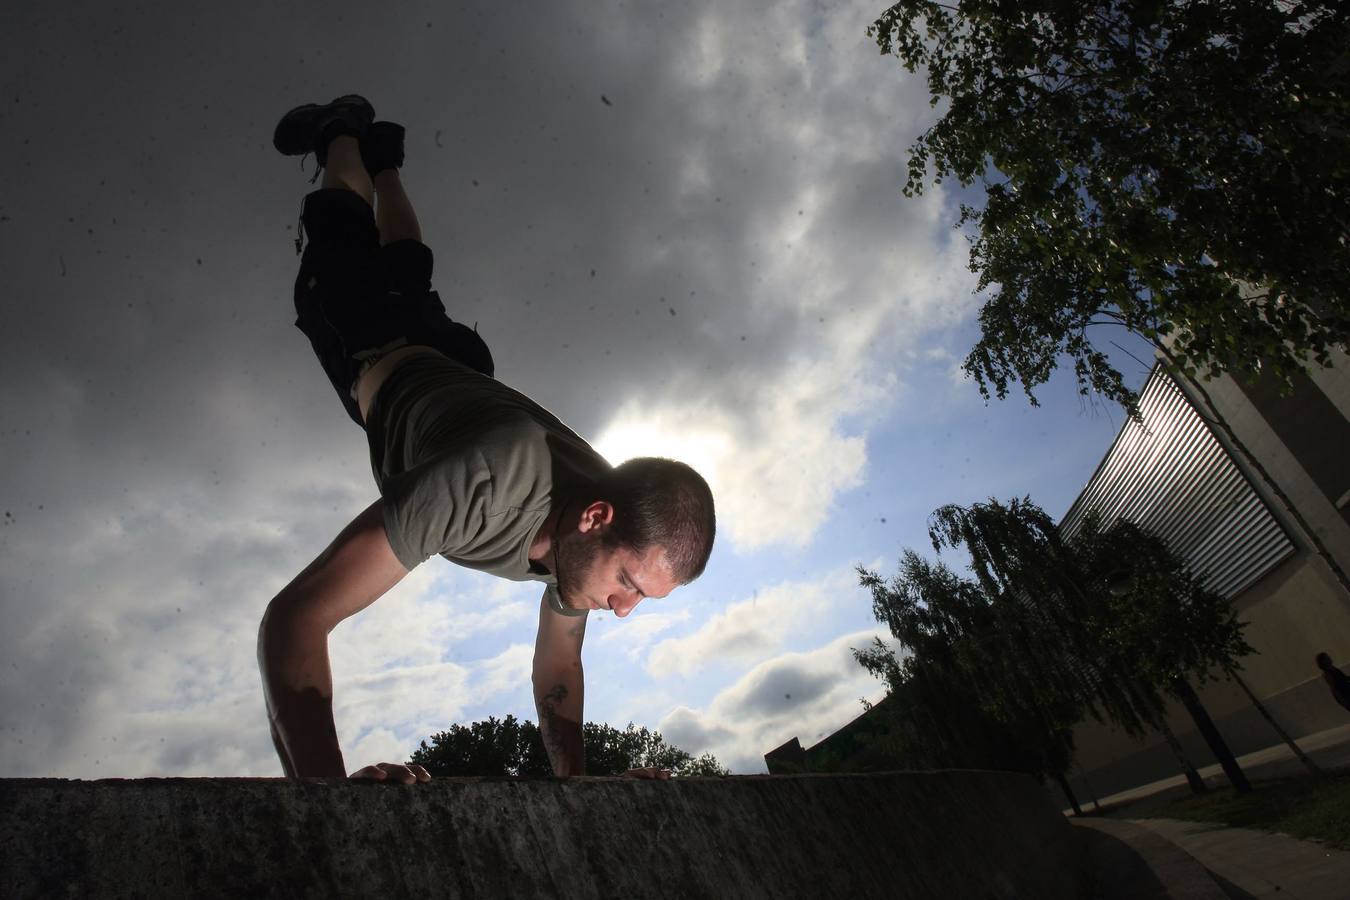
300 222
300 229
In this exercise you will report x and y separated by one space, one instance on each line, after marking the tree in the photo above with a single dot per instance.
1147 638
1176 168
1148 574
971 692
1289 742
1044 636
613 752
487 747
512 747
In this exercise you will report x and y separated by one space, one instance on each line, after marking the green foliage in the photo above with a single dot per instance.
1005 663
613 752
512 747
972 691
1144 164
938 717
1165 624
489 747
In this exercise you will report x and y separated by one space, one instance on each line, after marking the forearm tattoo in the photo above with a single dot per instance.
551 722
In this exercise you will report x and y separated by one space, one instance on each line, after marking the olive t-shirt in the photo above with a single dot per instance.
469 468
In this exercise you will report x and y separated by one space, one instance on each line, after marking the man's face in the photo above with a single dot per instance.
594 576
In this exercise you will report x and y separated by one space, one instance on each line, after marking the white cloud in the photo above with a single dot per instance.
383 715
408 702
754 629
434 611
780 436
407 699
774 471
636 634
507 671
834 277
376 746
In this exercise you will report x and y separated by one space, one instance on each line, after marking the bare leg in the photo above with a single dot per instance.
394 213
345 169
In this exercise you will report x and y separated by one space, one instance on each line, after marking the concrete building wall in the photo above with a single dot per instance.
1299 608
1335 381
1294 612
1283 433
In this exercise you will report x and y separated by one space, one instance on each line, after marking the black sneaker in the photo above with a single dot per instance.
382 147
303 129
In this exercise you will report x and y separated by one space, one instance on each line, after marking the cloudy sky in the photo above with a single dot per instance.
716 265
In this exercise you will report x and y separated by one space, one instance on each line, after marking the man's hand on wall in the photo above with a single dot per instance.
394 773
658 774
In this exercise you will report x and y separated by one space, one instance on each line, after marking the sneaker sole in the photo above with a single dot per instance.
296 132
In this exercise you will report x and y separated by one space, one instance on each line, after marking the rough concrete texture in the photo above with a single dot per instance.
895 835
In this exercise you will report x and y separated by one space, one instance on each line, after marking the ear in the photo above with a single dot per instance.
597 515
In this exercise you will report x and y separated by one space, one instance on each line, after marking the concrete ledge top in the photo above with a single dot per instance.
897 835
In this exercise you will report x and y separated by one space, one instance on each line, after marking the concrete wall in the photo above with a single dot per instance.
1261 437
895 835
1293 613
1297 610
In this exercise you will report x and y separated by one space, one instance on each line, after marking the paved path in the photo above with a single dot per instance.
1251 864
1258 863
1128 862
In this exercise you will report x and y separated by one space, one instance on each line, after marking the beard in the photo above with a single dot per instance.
576 556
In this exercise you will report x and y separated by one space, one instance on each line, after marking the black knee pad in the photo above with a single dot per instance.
406 266
339 221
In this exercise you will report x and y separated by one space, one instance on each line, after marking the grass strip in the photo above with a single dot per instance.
1306 807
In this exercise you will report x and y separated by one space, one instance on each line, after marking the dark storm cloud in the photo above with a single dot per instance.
785 687
172 453
683 728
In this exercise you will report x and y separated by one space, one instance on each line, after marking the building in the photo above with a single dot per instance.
853 748
1270 529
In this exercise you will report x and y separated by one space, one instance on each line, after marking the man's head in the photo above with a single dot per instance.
650 530
1323 661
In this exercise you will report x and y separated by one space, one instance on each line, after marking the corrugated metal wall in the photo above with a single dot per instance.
1171 476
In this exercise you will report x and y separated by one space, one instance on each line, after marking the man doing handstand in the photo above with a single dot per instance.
466 467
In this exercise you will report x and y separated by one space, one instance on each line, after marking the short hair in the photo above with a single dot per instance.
664 503
1323 661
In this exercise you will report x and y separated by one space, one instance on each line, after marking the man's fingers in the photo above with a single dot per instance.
396 773
659 774
369 773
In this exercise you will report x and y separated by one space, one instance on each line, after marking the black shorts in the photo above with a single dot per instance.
353 296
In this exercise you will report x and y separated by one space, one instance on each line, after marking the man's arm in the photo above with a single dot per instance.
559 687
355 571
